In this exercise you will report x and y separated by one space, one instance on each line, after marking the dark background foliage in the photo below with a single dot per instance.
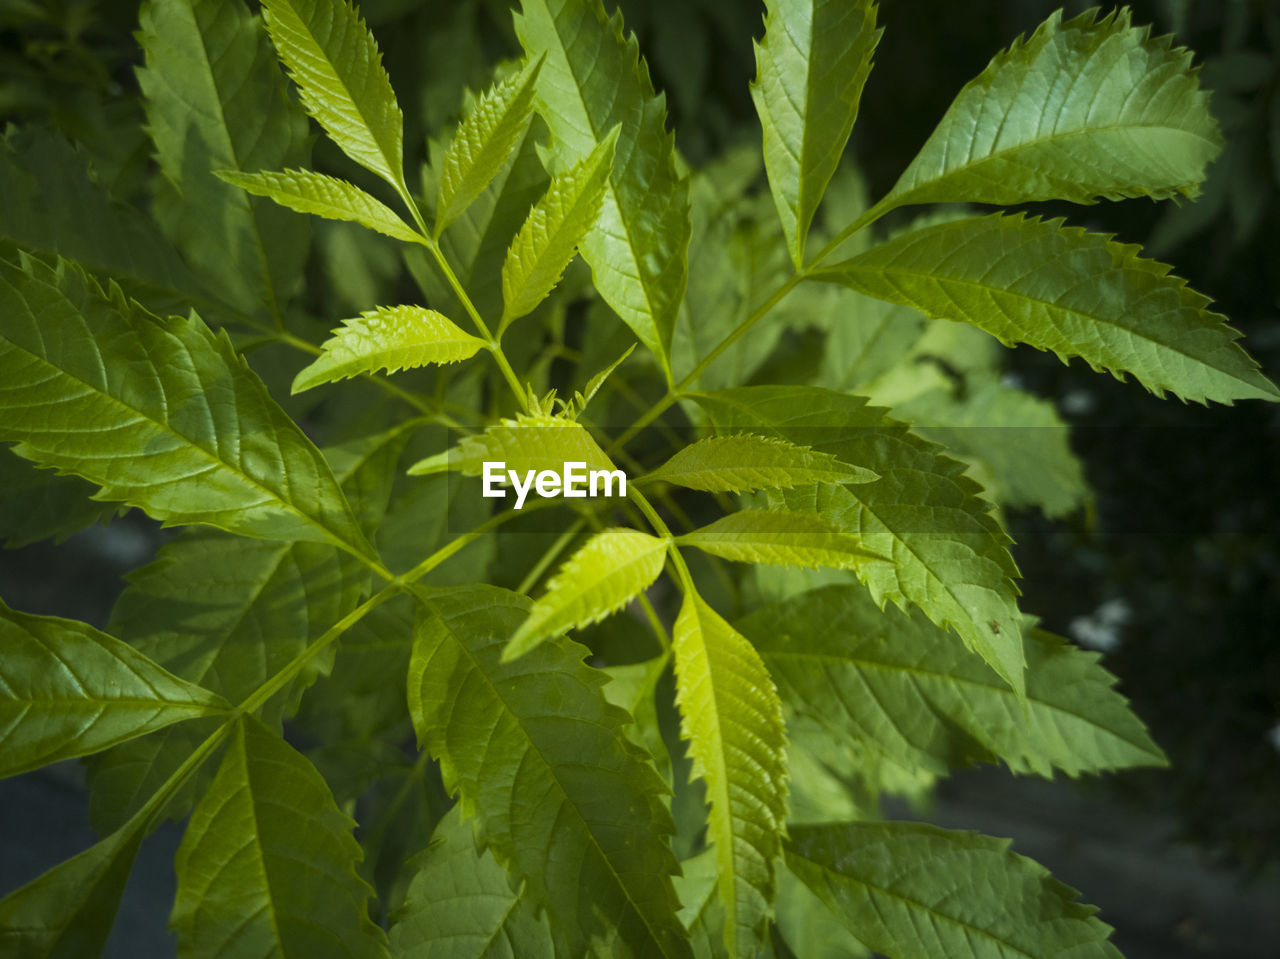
1185 530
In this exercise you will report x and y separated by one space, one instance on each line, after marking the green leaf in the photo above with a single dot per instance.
68 690
949 556
1083 109
334 59
267 863
911 889
565 802
529 442
163 416
389 338
460 905
554 229
226 613
325 196
700 905
1062 289
744 462
51 204
37 504
611 569
1019 443
900 684
483 142
780 538
592 80
67 912
476 243
732 717
810 70
216 100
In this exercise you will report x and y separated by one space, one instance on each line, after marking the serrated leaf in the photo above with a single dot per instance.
744 462
483 142
611 568
810 69
555 227
51 204
949 556
780 538
911 889
216 100
592 80
900 684
335 61
460 905
1018 443
476 243
389 338
1082 110
529 442
732 717
267 862
38 504
163 416
226 613
324 196
1062 289
67 689
564 801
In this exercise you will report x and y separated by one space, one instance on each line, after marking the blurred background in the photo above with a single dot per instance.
1173 575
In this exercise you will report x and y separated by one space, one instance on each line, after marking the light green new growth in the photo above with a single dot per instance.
482 144
610 569
744 462
810 70
732 717
1060 288
324 196
388 338
528 442
553 230
781 538
1082 110
592 80
333 58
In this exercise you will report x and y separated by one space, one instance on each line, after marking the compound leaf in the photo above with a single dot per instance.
900 684
68 690
267 862
555 227
335 61
226 613
949 556
483 142
325 196
745 462
1062 289
216 100
592 80
91 382
810 70
564 801
781 538
388 338
732 717
460 905
1083 109
610 569
911 889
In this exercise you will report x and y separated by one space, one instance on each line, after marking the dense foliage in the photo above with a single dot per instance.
808 406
